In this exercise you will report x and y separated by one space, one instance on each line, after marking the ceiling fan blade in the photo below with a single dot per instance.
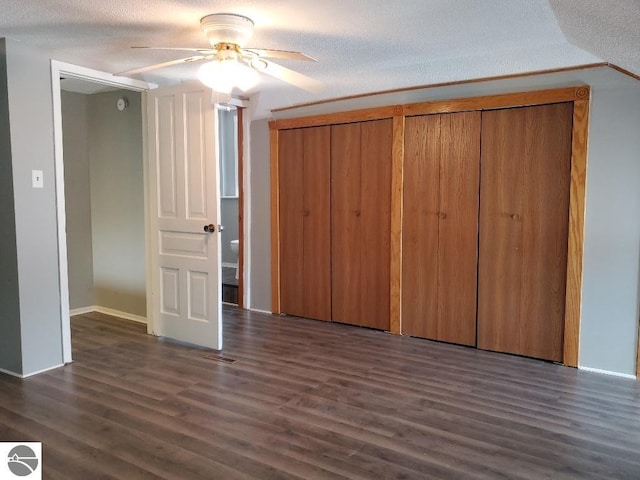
204 51
292 77
161 65
267 53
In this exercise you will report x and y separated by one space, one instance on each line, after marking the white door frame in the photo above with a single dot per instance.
96 76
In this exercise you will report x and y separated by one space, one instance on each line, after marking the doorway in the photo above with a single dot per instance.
68 71
231 203
64 70
104 199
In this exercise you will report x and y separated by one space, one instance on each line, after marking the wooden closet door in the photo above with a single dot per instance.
361 220
316 185
375 223
305 242
440 226
524 216
291 175
345 223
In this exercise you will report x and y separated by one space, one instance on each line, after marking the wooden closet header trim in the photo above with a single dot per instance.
488 102
352 116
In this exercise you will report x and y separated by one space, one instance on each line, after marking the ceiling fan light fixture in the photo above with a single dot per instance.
230 64
225 75
258 64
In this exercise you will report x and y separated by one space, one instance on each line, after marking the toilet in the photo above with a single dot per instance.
235 247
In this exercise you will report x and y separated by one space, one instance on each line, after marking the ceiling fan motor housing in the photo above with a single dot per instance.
227 28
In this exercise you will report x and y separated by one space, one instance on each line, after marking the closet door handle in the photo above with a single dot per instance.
442 215
306 212
357 213
211 228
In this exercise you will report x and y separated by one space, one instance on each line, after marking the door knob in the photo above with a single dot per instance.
211 228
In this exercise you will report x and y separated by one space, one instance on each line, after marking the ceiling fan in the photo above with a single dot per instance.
228 63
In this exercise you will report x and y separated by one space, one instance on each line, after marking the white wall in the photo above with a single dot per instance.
10 342
609 328
260 201
75 128
117 202
31 125
104 201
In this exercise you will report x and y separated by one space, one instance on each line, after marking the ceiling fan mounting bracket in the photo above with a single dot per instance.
227 28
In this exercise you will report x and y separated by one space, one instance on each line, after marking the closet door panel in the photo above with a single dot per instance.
420 226
375 222
316 223
290 161
440 226
526 154
545 234
500 264
345 223
458 227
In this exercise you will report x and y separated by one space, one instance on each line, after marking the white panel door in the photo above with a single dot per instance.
183 175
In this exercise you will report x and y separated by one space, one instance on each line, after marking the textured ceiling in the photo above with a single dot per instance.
361 46
609 29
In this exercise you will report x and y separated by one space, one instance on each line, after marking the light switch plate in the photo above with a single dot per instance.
36 179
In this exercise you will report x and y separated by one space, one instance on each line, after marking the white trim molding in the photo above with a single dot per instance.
83 73
9 372
82 310
18 375
607 372
109 311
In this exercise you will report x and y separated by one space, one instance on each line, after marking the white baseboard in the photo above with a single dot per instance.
82 310
229 265
9 372
125 315
607 372
260 311
14 374
109 311
43 370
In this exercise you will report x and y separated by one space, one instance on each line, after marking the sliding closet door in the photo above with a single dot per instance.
360 222
524 208
305 241
440 227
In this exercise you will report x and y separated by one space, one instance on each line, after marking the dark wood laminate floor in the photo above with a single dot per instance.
307 399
